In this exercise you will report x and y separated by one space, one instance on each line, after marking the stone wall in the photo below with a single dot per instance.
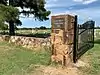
28 42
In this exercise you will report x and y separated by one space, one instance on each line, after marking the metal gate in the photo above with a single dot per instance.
83 38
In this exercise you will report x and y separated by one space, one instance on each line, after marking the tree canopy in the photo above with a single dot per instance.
36 7
3 2
9 13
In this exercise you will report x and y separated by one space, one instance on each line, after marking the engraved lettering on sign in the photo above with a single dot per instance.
59 23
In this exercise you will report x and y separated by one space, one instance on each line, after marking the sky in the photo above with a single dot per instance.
84 9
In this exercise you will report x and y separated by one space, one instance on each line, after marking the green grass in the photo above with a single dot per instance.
15 60
93 58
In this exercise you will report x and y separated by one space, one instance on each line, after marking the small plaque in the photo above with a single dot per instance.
58 23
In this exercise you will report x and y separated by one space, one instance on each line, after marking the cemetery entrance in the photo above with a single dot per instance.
68 43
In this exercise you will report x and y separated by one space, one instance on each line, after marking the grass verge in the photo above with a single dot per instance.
92 57
15 60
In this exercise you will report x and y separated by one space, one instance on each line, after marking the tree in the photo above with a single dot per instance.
42 27
10 15
36 8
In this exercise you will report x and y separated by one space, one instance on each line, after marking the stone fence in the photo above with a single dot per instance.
28 42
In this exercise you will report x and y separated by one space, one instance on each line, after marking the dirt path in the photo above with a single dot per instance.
54 71
60 71
50 70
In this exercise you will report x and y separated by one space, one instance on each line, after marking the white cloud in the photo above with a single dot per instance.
71 13
89 1
88 15
55 14
78 0
52 0
85 1
63 13
50 3
58 3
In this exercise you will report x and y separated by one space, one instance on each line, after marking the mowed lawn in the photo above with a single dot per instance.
15 60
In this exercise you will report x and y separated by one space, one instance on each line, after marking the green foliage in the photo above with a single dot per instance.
36 8
9 13
3 26
97 27
42 27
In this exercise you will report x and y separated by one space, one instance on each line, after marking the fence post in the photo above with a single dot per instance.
93 32
75 40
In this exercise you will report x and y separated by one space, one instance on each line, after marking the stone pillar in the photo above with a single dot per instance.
62 39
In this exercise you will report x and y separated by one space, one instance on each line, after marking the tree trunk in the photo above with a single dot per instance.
11 28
